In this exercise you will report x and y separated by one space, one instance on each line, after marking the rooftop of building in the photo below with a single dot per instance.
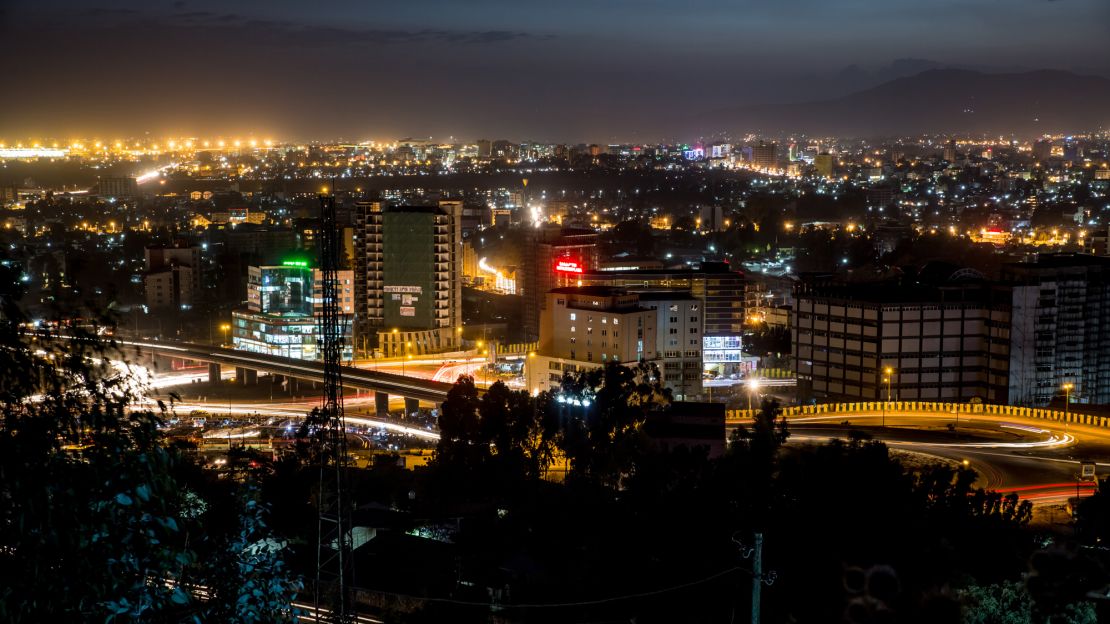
663 294
706 268
591 291
1061 260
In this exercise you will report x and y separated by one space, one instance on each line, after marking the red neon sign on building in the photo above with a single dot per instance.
568 266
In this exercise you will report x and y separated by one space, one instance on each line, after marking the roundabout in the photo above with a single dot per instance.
1037 454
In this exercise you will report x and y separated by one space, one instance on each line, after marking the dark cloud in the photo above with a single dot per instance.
296 34
106 12
195 15
493 67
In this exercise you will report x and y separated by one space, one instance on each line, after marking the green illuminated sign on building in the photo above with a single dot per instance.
295 263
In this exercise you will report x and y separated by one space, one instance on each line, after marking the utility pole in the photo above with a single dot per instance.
757 576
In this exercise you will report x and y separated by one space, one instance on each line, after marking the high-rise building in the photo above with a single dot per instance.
765 155
408 283
1060 329
825 165
587 327
553 257
865 341
172 277
950 151
1044 326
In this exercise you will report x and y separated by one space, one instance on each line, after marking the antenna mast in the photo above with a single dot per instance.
333 547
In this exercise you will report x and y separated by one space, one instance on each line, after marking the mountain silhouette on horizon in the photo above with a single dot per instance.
937 101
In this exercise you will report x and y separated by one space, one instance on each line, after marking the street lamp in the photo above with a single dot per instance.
485 353
225 328
753 386
889 372
480 351
1067 401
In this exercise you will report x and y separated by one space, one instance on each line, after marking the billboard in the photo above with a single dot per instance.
568 266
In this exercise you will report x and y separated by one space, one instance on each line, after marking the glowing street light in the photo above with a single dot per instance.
225 328
753 386
1067 401
888 375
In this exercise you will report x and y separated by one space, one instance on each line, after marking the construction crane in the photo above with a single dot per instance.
333 547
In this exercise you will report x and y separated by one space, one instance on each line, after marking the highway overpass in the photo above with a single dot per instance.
247 366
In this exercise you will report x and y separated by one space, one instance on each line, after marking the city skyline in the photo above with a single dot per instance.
494 69
592 311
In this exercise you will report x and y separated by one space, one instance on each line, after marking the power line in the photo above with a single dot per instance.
580 603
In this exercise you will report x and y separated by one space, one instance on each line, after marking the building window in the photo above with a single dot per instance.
573 316
589 356
572 330
616 321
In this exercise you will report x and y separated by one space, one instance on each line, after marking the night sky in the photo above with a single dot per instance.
567 70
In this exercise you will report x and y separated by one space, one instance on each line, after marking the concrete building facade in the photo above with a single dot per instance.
407 278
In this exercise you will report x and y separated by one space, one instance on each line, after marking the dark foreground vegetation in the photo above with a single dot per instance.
555 508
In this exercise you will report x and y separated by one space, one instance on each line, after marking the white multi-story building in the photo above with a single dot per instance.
678 329
587 327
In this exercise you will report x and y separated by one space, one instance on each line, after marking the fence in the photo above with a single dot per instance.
928 407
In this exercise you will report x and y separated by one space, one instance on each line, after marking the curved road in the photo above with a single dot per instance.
1039 460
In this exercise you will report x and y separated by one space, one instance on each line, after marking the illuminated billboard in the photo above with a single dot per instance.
568 266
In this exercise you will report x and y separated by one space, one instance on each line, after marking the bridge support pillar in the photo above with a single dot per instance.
214 373
251 376
381 403
411 405
240 375
161 364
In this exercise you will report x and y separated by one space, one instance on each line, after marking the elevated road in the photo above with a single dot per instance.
1036 454
249 364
